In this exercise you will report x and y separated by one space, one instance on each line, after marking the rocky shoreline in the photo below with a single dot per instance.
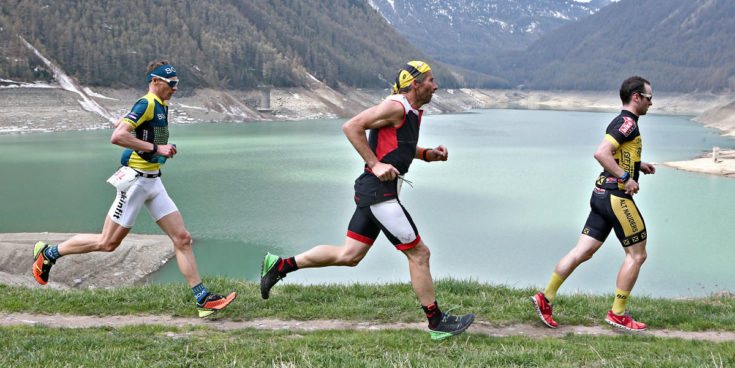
132 263
42 108
31 108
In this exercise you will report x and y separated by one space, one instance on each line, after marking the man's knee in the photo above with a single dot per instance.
639 257
182 239
350 259
586 247
108 245
585 254
419 254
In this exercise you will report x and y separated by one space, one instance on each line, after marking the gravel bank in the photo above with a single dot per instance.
137 257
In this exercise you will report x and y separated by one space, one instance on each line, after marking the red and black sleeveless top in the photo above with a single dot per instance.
395 145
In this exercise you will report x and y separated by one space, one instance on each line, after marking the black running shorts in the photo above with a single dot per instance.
388 216
613 209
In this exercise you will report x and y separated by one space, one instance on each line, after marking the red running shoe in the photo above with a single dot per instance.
625 322
41 265
543 309
213 303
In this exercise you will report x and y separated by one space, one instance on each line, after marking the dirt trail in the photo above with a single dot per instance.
486 328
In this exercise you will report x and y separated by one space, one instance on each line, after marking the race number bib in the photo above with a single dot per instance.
123 178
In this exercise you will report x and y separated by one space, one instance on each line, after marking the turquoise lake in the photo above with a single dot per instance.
507 205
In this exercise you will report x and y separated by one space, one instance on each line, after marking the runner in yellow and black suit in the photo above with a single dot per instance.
611 207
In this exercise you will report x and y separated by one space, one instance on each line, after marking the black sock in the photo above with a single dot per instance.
433 314
287 265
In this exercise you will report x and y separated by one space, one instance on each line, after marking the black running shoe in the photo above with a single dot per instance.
41 264
451 325
269 274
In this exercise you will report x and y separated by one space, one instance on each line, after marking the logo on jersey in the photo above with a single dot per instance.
628 126
161 116
601 180
132 116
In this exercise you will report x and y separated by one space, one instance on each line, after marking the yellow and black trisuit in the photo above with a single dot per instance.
611 207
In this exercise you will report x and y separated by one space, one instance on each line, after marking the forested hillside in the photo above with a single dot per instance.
680 45
233 44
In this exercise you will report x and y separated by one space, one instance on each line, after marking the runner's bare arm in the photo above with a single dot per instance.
439 153
120 120
385 114
122 137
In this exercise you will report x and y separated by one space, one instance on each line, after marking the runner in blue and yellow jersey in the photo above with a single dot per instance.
388 153
144 134
612 207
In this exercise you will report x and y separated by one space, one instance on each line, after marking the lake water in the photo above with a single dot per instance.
507 205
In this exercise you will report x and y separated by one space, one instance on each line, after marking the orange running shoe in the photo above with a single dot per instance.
625 322
41 264
543 309
213 302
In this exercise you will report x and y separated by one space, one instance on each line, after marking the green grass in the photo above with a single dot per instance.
498 305
165 346
156 346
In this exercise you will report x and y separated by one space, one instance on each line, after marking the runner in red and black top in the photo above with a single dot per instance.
612 207
391 145
388 153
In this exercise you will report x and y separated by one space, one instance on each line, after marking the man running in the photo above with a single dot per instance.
388 152
612 205
139 183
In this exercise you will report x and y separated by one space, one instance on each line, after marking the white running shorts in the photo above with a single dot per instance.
144 191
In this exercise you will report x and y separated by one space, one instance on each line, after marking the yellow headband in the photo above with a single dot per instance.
409 72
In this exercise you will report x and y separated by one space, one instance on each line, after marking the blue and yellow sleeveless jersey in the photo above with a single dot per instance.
149 119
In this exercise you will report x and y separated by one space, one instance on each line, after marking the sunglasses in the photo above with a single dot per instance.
171 83
646 95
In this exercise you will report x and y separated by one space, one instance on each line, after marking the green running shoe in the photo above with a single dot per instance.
451 325
269 274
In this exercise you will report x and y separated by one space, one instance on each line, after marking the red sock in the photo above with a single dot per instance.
287 265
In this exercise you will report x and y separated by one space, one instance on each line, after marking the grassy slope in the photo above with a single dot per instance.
171 346
392 302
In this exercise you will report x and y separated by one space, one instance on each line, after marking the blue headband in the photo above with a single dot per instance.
165 71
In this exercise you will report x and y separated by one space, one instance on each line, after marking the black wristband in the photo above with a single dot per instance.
426 154
155 148
624 178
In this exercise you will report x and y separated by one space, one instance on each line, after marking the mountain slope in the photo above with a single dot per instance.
223 44
679 45
468 33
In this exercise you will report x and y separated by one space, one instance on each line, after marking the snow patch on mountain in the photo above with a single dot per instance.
67 83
